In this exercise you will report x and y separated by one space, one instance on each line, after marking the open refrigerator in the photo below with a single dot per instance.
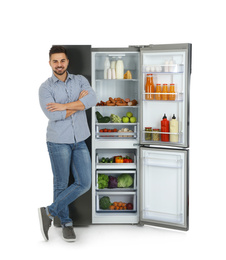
159 167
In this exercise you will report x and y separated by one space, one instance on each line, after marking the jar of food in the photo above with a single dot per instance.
158 92
156 135
148 136
165 90
172 92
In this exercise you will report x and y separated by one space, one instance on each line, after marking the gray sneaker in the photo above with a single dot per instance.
45 222
68 234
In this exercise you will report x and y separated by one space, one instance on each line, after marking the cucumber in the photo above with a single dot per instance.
104 119
98 115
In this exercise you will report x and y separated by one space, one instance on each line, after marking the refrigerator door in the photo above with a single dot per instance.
164 188
80 63
170 68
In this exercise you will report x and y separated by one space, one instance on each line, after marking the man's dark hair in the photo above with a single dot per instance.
57 49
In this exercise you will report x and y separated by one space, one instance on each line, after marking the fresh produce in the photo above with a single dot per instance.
104 119
105 202
106 160
116 159
103 181
115 118
129 206
121 206
125 181
123 130
133 119
105 130
112 183
129 114
125 119
98 115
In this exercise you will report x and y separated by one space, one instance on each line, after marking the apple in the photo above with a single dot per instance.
129 114
133 119
125 119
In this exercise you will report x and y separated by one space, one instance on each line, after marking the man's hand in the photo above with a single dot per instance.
83 94
55 107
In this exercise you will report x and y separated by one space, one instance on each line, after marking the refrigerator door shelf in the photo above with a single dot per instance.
163 69
156 140
124 197
178 97
116 174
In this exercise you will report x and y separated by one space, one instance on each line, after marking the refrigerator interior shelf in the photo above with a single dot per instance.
116 124
154 132
116 166
116 174
110 107
178 97
124 197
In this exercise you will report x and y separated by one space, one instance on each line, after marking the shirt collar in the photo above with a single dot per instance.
55 79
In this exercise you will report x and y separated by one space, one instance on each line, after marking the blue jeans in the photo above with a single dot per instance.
66 158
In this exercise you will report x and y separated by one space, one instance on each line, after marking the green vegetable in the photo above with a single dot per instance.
98 115
103 181
105 202
104 119
103 160
124 181
111 160
115 118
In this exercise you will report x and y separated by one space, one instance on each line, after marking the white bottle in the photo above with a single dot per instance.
119 69
106 67
174 128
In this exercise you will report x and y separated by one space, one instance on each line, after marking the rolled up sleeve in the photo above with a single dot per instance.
45 97
89 100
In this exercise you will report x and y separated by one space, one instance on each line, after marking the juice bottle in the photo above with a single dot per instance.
172 90
165 128
158 92
174 128
165 90
149 87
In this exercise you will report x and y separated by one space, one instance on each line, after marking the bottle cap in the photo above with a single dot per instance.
174 117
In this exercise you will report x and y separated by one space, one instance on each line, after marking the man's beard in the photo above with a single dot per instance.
60 72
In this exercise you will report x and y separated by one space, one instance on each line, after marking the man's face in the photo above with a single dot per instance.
59 63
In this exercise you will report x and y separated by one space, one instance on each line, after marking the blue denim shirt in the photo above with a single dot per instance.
75 127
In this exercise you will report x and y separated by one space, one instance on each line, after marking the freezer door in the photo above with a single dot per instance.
164 188
170 68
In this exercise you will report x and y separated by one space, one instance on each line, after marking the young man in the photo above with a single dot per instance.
64 98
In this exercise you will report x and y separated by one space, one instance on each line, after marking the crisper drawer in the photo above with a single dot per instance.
117 198
116 131
116 180
108 159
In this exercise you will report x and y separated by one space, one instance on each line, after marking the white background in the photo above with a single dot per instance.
28 29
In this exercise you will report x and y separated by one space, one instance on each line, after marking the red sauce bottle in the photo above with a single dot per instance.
165 128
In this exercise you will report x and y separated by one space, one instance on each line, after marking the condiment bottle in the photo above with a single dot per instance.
119 69
172 90
158 92
148 136
165 90
165 128
149 87
106 67
174 128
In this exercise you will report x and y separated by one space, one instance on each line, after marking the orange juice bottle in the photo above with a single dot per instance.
172 90
165 90
158 92
149 87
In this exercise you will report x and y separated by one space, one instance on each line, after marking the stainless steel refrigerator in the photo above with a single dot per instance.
159 166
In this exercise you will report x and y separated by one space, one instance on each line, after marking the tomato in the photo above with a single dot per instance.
109 130
105 130
115 130
101 131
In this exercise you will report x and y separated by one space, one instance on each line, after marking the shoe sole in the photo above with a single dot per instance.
69 240
41 224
